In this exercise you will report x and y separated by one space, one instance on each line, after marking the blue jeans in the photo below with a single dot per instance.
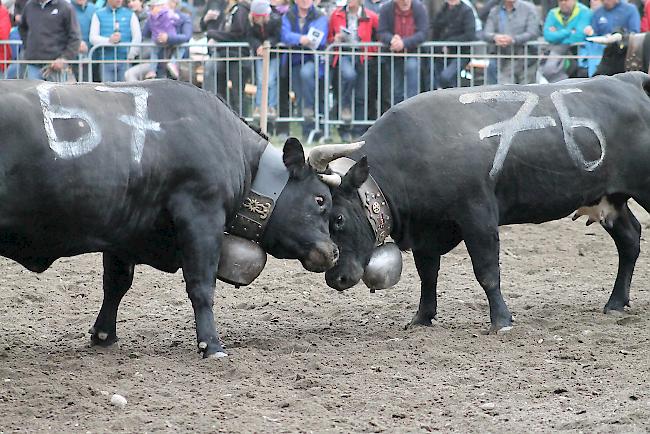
273 82
113 71
447 75
304 83
348 72
405 70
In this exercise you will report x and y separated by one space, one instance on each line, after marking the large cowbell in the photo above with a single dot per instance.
242 258
384 268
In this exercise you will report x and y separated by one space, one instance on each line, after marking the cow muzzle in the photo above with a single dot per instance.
321 257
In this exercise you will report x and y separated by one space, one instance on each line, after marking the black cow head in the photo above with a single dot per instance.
350 230
298 226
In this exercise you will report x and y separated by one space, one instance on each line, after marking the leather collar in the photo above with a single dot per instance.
254 214
372 199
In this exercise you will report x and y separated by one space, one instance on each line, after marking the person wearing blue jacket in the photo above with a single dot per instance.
614 15
564 25
304 27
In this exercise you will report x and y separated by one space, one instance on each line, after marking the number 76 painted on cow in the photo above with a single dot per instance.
523 121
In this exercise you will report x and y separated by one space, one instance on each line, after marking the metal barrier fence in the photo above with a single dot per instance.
345 86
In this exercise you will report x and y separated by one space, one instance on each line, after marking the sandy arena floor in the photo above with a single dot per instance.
304 358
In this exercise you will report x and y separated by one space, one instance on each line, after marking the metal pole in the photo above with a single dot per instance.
266 60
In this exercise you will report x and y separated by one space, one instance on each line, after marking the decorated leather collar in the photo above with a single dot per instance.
254 214
372 199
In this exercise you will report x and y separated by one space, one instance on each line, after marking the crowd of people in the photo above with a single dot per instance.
54 32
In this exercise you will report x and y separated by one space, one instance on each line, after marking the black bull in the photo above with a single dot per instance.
146 174
631 53
455 164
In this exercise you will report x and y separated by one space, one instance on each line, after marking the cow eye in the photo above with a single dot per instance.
320 200
339 221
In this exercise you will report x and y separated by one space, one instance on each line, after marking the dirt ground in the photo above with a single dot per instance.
304 358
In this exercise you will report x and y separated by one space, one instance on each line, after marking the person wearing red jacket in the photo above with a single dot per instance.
5 28
645 19
352 24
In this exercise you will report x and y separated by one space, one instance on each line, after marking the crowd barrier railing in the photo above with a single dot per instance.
344 86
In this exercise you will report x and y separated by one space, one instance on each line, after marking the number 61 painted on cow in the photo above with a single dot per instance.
523 121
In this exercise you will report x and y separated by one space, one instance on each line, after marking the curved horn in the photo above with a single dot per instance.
321 155
606 39
333 180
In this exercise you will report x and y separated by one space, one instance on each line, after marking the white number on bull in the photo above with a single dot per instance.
139 123
63 148
521 121
569 123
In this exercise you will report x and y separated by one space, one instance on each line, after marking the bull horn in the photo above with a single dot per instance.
333 180
606 39
321 155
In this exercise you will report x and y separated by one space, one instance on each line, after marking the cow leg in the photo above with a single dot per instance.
480 231
427 263
626 232
118 277
200 235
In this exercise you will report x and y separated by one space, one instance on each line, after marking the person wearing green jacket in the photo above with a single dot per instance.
564 26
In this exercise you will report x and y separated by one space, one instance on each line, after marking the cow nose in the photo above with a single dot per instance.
335 255
342 283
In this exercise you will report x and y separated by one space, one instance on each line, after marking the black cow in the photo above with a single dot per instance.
455 164
148 173
623 52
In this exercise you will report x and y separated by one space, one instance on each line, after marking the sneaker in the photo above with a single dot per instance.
256 113
149 75
272 114
346 115
172 68
308 113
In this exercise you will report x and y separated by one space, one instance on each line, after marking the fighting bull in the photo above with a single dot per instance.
153 173
623 52
453 165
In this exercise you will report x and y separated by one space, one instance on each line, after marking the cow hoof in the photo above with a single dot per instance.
217 355
420 321
496 329
102 339
615 308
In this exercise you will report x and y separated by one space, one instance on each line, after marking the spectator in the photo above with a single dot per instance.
645 19
17 12
302 19
167 42
5 29
138 72
374 5
350 24
266 25
564 26
280 7
454 22
225 22
111 25
84 11
510 25
614 15
403 25
50 32
162 24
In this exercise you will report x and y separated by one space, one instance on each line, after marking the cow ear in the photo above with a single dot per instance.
293 157
356 176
